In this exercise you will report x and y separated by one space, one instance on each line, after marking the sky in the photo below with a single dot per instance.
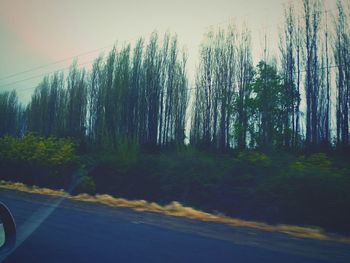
42 36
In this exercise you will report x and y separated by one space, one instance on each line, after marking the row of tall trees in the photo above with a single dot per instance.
235 103
309 46
262 107
58 105
222 91
11 114
137 96
342 60
141 94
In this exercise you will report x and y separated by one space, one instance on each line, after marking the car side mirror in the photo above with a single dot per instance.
7 228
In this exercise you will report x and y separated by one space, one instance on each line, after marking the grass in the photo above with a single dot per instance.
177 209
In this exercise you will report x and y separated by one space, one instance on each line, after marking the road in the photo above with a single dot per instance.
52 229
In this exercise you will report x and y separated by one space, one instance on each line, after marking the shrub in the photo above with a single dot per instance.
86 185
254 157
31 148
317 164
37 160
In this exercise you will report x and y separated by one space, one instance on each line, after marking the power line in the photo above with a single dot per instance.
44 74
228 82
95 50
53 63
247 79
62 60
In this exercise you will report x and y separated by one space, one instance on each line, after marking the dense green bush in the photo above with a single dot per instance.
37 160
254 157
36 149
313 188
277 188
86 185
281 188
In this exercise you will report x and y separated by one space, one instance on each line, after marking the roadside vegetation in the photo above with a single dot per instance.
279 188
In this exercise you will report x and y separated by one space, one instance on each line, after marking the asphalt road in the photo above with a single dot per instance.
53 229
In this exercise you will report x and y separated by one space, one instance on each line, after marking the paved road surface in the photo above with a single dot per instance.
53 229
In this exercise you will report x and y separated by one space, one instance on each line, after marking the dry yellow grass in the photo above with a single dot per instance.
177 209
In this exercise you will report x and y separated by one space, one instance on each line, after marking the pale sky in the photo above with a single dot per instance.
39 32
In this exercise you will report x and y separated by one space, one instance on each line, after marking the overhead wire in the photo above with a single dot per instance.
58 62
54 63
105 47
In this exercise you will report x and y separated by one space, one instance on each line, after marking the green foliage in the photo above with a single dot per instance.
86 185
49 162
320 160
316 164
127 153
278 188
190 176
267 105
36 149
11 113
254 157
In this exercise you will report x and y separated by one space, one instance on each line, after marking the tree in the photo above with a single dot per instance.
245 73
312 12
11 114
342 60
267 102
76 102
215 90
288 62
